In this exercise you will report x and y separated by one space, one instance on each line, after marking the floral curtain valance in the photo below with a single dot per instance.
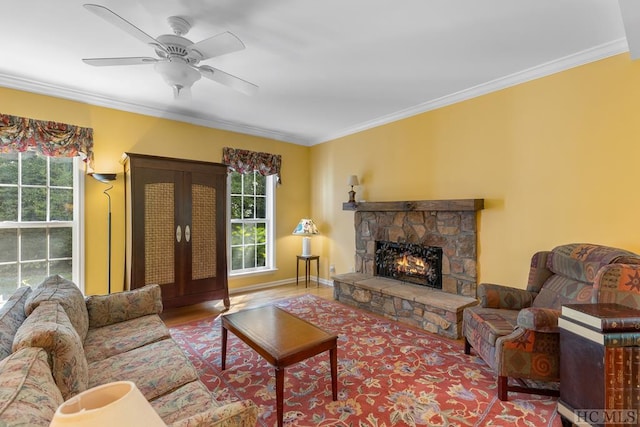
48 138
243 161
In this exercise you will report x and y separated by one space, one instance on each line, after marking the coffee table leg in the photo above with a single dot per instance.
224 348
279 395
333 355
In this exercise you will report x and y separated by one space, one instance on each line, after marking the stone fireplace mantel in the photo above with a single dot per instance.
417 205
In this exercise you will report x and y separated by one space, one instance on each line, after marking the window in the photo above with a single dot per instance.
251 226
39 219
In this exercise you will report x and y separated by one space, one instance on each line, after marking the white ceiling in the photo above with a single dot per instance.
325 68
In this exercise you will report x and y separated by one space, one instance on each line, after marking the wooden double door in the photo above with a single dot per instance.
176 228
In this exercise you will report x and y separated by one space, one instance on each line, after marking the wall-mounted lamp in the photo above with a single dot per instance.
107 178
352 180
305 228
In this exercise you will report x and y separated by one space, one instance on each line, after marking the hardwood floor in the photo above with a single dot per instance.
176 316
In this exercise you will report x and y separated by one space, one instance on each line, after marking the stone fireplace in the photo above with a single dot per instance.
447 224
436 238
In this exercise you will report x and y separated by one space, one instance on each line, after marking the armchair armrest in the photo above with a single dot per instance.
235 414
500 296
113 308
539 319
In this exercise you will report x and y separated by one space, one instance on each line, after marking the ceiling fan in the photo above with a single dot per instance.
178 57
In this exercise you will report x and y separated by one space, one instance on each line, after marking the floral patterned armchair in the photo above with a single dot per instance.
515 331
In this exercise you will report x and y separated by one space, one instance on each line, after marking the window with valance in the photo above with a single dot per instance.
245 161
53 139
252 178
40 200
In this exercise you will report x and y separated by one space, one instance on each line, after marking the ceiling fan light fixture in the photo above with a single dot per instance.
177 74
178 57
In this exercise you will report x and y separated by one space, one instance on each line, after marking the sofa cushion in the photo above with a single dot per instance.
234 414
121 337
56 288
193 405
156 368
560 290
28 394
49 327
183 402
113 308
11 317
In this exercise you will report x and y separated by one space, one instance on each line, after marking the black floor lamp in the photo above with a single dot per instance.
107 178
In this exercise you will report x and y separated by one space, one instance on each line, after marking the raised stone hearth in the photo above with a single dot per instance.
449 224
419 306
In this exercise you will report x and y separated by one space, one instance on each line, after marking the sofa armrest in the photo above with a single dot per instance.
500 296
113 308
235 414
528 354
539 319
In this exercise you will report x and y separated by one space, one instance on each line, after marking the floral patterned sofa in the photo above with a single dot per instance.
55 343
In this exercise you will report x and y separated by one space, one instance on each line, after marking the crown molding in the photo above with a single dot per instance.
552 67
584 57
19 83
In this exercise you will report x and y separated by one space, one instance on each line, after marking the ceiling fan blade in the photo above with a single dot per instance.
115 19
133 60
217 45
228 80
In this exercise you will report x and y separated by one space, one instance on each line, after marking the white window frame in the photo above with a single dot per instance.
77 224
270 209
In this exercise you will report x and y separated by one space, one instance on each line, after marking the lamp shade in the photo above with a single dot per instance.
105 178
305 227
352 180
115 404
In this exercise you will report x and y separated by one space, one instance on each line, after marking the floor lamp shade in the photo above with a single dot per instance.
306 228
117 404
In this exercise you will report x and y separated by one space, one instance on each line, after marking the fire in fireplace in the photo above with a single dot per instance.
409 262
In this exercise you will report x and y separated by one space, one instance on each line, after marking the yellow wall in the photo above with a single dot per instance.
116 132
557 160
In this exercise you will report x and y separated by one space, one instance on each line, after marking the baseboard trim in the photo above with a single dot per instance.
276 283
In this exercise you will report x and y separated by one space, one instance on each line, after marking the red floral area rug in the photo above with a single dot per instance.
388 374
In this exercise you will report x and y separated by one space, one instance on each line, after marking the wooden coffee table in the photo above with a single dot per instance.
282 339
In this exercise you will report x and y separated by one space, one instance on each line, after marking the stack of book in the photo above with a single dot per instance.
615 330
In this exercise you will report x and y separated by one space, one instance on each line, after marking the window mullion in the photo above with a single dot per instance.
19 187
48 189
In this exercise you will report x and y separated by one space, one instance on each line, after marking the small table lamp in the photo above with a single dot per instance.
115 404
306 228
352 180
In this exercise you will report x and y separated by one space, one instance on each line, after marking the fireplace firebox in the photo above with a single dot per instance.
409 262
